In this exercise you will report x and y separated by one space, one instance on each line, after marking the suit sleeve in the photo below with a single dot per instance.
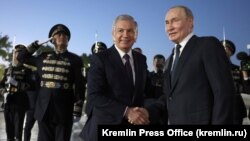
99 96
217 67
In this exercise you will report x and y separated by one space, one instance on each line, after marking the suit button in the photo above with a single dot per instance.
170 98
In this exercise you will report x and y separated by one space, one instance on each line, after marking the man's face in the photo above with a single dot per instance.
15 61
60 41
124 34
159 64
98 49
228 51
177 25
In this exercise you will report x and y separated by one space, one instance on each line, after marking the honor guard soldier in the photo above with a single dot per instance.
98 47
239 108
62 86
15 83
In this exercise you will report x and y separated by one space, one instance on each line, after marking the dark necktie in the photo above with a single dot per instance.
128 69
177 56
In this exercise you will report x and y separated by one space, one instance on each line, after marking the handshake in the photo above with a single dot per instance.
137 116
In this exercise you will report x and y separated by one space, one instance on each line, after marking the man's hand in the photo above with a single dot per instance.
33 47
137 116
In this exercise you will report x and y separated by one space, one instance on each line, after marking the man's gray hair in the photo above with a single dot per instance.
126 18
187 11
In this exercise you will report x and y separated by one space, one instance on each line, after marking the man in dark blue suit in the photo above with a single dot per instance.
199 90
112 91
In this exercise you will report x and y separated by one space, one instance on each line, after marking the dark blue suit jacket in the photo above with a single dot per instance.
109 91
202 91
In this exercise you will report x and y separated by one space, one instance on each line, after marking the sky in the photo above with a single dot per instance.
25 21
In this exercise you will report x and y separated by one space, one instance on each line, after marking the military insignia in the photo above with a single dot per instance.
50 84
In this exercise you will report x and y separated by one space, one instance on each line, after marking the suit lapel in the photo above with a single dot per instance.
119 66
115 57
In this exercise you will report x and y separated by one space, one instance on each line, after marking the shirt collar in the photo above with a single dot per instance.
121 53
184 42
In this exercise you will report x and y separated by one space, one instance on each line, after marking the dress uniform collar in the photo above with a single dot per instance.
61 52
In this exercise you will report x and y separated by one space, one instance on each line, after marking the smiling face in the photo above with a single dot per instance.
124 34
178 24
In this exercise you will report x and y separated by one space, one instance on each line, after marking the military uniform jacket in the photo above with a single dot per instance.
17 96
61 84
239 108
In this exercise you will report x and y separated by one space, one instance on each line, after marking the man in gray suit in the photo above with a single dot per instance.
115 84
198 89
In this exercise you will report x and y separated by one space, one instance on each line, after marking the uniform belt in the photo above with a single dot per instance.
11 89
56 85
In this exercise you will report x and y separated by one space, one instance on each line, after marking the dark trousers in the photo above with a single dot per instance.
14 124
30 121
51 131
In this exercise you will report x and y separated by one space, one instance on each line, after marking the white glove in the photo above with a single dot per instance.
76 119
12 81
5 95
2 91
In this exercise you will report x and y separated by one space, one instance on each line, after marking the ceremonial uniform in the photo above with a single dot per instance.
239 108
61 86
240 111
32 96
98 47
16 100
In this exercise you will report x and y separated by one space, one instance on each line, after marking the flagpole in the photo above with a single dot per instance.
224 37
96 35
13 50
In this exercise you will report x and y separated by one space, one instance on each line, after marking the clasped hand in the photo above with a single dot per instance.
137 116
12 81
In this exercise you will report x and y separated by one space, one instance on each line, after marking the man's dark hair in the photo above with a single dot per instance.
159 56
